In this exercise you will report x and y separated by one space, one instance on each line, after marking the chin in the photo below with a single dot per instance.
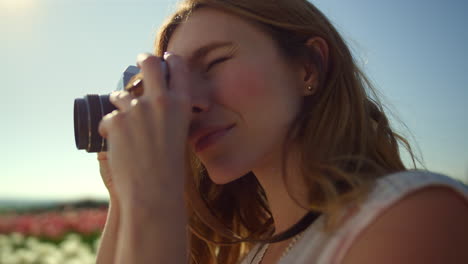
221 177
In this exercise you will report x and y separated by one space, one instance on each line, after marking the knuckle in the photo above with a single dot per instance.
151 61
177 63
138 106
113 96
105 119
120 99
162 101
114 121
123 95
172 59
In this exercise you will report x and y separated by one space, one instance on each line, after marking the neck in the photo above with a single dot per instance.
286 212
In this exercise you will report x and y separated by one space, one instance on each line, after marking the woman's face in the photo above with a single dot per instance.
250 85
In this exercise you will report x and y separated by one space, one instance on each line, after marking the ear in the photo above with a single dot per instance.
311 78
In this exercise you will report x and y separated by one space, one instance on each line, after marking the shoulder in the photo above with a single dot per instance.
427 225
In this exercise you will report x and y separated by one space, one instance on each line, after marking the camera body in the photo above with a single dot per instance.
89 111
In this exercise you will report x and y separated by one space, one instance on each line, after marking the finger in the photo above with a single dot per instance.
153 75
141 123
121 99
178 66
105 123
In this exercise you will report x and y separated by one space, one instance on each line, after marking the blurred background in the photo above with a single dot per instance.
53 51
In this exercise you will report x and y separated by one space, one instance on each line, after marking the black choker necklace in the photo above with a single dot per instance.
297 228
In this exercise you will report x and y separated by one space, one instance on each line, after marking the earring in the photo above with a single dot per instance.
310 90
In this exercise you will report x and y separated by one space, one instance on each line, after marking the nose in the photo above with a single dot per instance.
200 105
201 99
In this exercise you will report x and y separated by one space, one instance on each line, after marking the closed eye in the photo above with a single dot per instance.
216 61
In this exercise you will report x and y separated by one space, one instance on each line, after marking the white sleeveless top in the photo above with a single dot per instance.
315 246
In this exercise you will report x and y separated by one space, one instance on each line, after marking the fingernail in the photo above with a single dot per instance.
167 54
141 57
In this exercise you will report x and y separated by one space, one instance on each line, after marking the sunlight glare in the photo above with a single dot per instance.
16 6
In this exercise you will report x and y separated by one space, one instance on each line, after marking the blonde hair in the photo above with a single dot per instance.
345 139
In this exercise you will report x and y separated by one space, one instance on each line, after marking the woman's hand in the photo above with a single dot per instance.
146 154
147 137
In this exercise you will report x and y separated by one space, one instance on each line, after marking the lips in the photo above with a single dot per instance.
203 137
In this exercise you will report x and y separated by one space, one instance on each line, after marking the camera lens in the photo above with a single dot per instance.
88 112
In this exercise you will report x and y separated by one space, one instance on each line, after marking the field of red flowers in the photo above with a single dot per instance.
66 236
54 225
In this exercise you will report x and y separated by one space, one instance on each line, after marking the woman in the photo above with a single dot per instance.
266 144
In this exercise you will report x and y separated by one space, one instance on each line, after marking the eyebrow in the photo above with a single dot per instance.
203 51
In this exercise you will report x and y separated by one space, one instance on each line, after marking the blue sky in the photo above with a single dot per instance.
53 51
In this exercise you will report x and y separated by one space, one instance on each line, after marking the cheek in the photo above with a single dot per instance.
240 86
